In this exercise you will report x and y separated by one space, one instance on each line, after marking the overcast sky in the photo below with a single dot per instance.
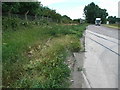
74 8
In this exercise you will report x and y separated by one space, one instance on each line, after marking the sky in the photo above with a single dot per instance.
74 8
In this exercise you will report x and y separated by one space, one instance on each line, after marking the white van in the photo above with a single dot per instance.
98 21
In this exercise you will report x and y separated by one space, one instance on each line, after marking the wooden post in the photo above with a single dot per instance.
26 15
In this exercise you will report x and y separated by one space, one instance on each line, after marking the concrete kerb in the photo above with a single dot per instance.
85 83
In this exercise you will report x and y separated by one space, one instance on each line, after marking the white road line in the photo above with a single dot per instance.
104 46
114 40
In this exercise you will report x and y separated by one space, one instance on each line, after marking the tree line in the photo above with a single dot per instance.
93 11
113 19
35 9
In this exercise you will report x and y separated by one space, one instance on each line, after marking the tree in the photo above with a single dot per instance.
34 9
46 12
76 20
93 11
21 8
28 7
112 19
38 11
118 20
103 15
10 7
66 19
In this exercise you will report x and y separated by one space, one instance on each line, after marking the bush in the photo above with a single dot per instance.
44 67
10 23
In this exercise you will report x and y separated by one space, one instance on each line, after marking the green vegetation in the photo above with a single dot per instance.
116 26
93 11
34 55
113 20
36 10
36 43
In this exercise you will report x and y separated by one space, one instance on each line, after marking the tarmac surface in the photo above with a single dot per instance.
101 57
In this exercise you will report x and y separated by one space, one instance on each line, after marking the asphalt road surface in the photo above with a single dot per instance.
105 31
101 56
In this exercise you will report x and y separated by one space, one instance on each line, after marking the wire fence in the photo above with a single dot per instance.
29 17
15 21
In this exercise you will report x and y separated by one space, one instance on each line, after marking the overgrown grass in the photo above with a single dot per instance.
116 26
33 57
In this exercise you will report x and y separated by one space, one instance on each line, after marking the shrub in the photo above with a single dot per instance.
10 23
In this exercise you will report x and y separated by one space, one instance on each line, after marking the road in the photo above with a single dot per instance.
101 57
105 31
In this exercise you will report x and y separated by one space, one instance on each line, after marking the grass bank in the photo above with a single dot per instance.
115 26
34 56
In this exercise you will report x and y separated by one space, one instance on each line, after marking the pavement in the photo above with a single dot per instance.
101 57
76 75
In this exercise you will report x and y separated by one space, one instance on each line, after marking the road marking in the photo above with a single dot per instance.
102 37
86 80
104 46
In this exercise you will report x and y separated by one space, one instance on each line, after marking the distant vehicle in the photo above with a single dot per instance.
98 21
